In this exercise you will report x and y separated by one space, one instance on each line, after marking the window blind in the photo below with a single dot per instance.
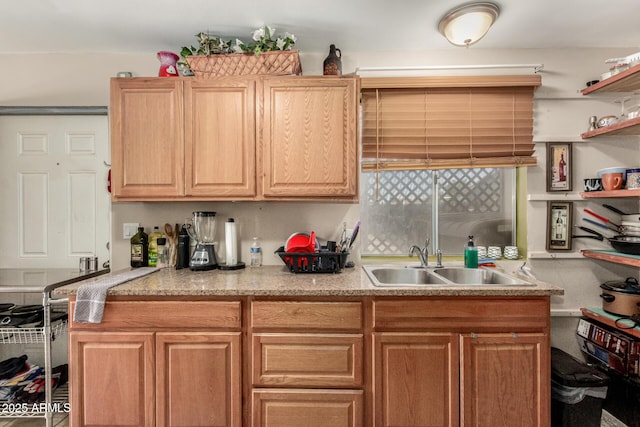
447 127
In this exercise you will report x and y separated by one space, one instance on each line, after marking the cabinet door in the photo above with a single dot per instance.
147 138
220 137
112 381
310 141
198 379
307 360
505 377
416 379
308 408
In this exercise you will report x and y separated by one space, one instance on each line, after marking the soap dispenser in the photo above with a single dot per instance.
470 254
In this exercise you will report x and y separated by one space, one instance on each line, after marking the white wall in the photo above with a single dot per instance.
561 114
271 222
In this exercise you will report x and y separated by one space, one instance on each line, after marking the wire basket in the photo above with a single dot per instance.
316 262
277 62
30 335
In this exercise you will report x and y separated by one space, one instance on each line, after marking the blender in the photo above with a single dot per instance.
202 230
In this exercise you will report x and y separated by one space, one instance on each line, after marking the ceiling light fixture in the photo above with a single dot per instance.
468 23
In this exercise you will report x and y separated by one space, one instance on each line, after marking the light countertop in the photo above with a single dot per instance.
278 281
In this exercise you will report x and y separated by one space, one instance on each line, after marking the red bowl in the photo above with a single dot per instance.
302 242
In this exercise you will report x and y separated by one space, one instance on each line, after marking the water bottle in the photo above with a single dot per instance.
256 253
163 253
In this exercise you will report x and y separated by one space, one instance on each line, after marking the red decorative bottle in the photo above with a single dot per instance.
168 62
562 169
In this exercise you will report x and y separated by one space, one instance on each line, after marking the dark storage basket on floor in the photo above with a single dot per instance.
316 262
576 392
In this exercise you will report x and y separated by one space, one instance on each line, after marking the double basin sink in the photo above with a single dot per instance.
446 276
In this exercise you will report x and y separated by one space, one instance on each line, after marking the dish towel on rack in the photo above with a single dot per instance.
91 296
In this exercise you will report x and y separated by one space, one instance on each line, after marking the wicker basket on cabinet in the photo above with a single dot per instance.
280 62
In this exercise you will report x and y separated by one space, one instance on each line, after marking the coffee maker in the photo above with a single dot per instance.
202 230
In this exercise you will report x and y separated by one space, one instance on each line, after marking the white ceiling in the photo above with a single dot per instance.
353 25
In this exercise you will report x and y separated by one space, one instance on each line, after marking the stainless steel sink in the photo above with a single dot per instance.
479 276
448 276
400 276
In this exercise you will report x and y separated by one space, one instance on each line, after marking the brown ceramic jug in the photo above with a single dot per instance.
333 62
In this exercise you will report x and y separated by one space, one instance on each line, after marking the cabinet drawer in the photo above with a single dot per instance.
295 315
334 360
309 408
463 314
166 314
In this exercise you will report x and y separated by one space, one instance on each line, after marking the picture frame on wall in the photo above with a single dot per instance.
559 225
559 166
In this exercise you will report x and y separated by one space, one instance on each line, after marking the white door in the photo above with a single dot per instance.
54 203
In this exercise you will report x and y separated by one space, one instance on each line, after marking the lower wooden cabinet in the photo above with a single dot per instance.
308 408
370 361
416 379
158 363
421 377
308 360
188 379
313 352
112 379
505 377
198 381
461 362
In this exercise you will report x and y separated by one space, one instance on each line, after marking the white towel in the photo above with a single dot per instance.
91 296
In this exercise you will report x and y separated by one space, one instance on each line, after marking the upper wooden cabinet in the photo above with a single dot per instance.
236 138
220 143
147 138
309 137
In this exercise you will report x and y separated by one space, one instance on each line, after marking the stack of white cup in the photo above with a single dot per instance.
511 252
494 252
482 252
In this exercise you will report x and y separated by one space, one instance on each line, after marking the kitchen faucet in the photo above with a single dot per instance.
423 253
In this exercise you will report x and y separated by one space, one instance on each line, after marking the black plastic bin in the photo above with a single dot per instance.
577 392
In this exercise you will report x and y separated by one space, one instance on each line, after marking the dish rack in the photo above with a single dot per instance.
313 262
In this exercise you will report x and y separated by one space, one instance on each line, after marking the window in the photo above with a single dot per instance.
439 159
403 208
